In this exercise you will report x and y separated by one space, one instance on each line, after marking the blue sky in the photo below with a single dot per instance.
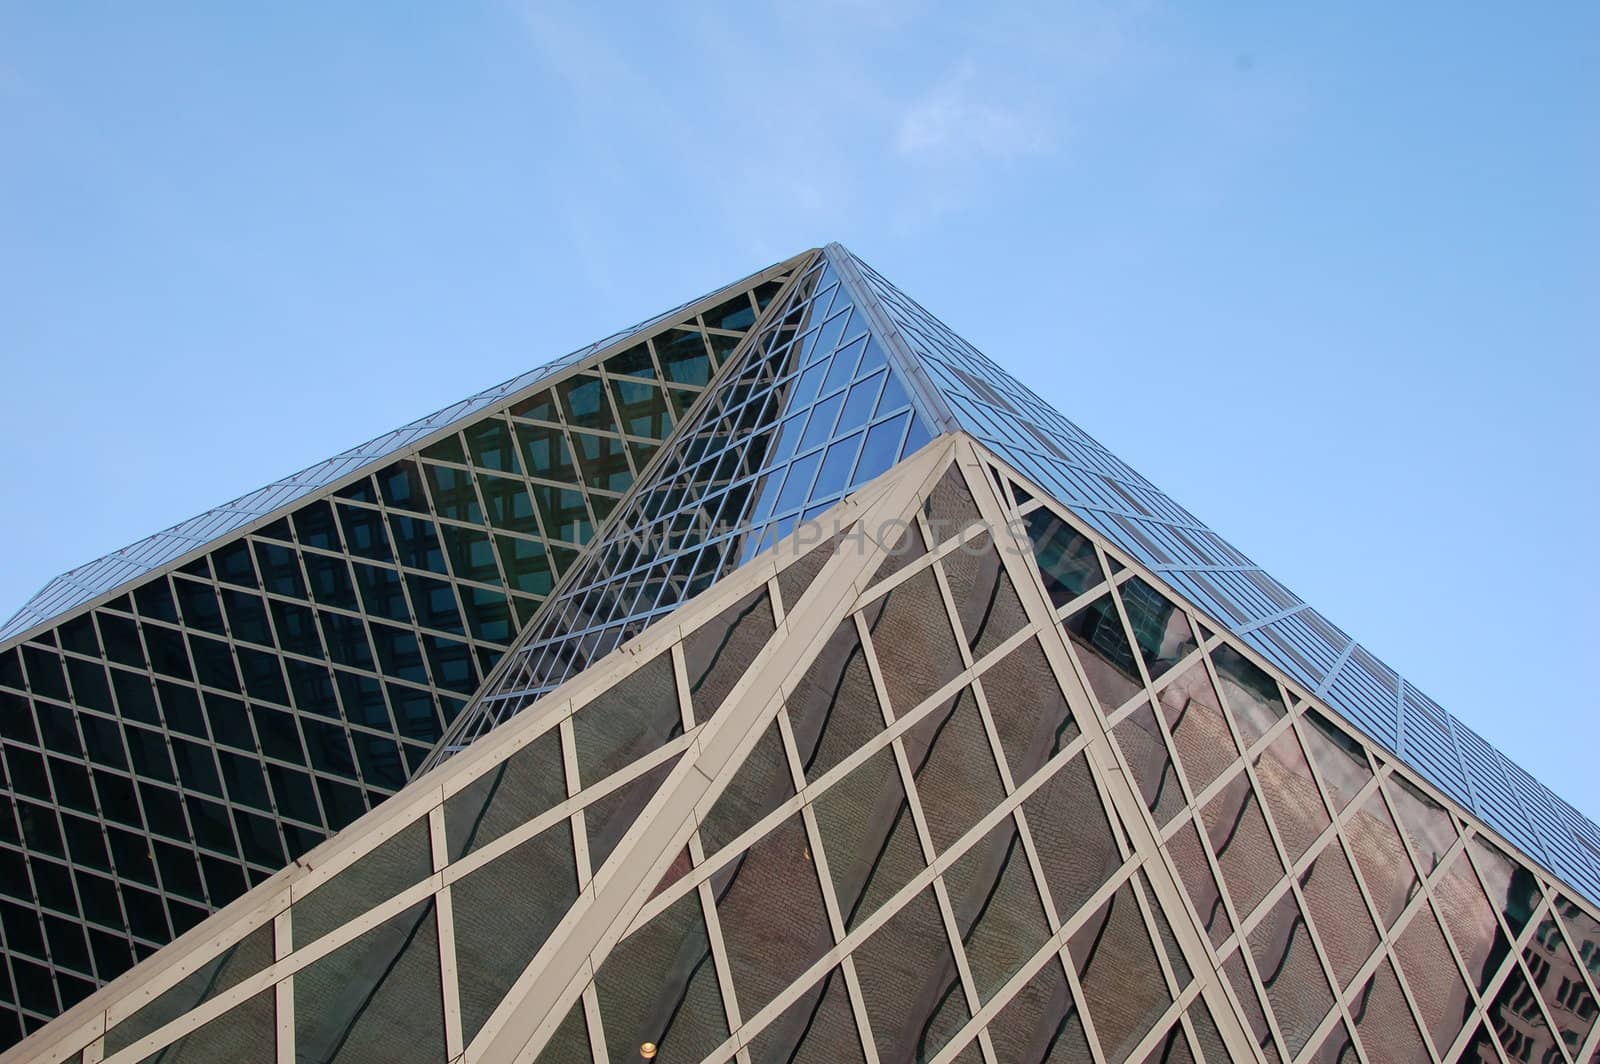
1347 258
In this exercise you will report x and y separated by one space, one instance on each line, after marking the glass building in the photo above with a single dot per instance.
778 680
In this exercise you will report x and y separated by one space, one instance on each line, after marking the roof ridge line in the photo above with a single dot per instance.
925 393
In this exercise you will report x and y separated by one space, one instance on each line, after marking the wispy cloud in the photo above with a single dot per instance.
956 122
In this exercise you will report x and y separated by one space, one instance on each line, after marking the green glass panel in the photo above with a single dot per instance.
489 442
659 985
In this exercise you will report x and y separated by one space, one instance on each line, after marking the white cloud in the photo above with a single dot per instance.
954 122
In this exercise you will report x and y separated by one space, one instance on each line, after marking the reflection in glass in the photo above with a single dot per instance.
1381 858
819 1028
1333 901
1243 848
1199 731
1065 557
911 636
1040 1022
1121 979
869 836
1291 794
1102 647
1290 972
1251 694
1160 628
1142 744
833 710
1383 1022
997 909
1430 972
769 905
1030 713
1072 836
659 985
909 983
953 767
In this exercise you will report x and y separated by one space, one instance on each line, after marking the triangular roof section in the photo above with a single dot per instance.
815 405
893 782
95 581
712 500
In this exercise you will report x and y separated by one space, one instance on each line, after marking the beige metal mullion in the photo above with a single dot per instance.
600 916
444 916
283 991
1117 791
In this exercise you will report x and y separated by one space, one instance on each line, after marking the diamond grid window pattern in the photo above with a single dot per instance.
174 744
920 760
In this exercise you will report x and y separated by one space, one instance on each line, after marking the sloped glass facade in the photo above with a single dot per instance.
859 706
175 743
985 400
1011 800
812 410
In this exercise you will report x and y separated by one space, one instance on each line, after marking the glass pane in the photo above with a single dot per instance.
244 958
607 819
949 507
1338 913
376 998
1159 627
1290 972
245 1034
659 985
770 907
395 864
819 1028
1198 882
986 603
1291 794
719 651
1339 759
1142 744
1470 920
911 636
1560 984
1520 1024
1029 711
1206 1036
1255 1016
997 909
1383 1022
1199 731
1040 1024
1173 1048
1584 931
1251 694
954 769
869 836
1102 647
521 787
1336 1048
1426 823
759 786
1243 848
1121 978
909 983
627 721
570 1042
904 543
504 912
834 710
1073 836
1380 857
1065 557
796 579
1440 994
1512 888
